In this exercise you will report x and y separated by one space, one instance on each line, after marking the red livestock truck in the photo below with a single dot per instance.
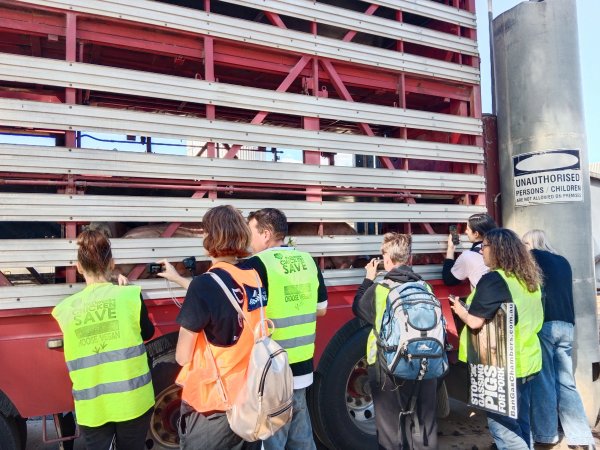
357 117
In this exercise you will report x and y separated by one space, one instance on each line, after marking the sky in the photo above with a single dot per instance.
587 13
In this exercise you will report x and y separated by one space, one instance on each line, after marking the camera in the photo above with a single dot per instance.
454 232
154 268
190 264
380 265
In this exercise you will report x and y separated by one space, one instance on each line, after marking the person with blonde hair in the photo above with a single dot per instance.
553 392
104 328
514 277
391 396
214 345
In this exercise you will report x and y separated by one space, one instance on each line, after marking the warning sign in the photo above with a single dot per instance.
552 176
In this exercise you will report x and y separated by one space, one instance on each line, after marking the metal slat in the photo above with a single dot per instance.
22 113
195 21
17 253
76 161
358 21
90 208
49 295
28 69
434 10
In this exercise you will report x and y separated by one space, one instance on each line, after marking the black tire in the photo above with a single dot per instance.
163 424
331 400
9 433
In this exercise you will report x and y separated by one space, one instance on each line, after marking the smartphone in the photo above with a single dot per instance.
380 265
455 298
454 232
154 268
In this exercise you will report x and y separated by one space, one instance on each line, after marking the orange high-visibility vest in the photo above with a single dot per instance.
199 377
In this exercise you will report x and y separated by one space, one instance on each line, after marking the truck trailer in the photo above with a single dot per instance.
136 113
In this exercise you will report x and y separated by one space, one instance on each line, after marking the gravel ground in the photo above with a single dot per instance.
464 429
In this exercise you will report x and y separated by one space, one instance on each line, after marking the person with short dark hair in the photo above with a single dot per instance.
104 328
212 337
514 278
553 392
469 265
392 396
297 296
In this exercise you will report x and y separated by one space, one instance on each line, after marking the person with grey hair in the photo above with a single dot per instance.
392 397
553 392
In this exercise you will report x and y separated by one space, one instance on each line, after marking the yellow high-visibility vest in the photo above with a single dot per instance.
105 353
293 286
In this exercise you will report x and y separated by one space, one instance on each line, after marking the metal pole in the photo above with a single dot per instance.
492 65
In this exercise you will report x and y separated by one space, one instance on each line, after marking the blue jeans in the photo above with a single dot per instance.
513 434
554 394
297 434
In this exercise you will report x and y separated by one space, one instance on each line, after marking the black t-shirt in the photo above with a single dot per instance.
206 307
490 293
254 262
146 325
557 289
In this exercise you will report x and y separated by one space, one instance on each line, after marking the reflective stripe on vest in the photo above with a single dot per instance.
528 353
105 354
293 286
199 377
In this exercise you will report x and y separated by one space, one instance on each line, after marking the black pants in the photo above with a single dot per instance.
390 398
128 435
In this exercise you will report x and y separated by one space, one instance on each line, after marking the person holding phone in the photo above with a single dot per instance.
104 327
469 265
516 278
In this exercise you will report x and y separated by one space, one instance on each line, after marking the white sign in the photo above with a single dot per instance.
552 176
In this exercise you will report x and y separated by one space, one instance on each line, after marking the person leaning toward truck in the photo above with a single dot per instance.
212 338
469 264
553 391
104 328
516 278
297 296
391 396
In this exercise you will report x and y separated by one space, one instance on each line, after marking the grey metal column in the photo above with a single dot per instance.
540 107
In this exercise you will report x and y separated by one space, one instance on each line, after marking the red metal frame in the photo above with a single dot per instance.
49 33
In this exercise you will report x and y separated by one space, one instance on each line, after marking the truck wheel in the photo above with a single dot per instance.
9 433
340 402
163 424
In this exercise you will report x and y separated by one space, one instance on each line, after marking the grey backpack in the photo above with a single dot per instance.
264 404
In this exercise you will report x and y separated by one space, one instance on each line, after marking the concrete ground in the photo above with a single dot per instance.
464 429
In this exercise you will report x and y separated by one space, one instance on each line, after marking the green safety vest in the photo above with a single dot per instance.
381 293
105 353
293 286
531 317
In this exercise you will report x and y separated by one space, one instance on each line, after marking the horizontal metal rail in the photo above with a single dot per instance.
91 208
110 163
431 9
358 21
18 253
195 21
49 295
54 72
39 115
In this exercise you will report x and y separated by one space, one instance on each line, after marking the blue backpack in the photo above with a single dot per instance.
412 337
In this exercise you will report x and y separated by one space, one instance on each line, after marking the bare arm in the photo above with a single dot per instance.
321 312
185 346
451 248
473 322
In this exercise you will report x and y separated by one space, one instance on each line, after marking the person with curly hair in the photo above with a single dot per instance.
514 277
